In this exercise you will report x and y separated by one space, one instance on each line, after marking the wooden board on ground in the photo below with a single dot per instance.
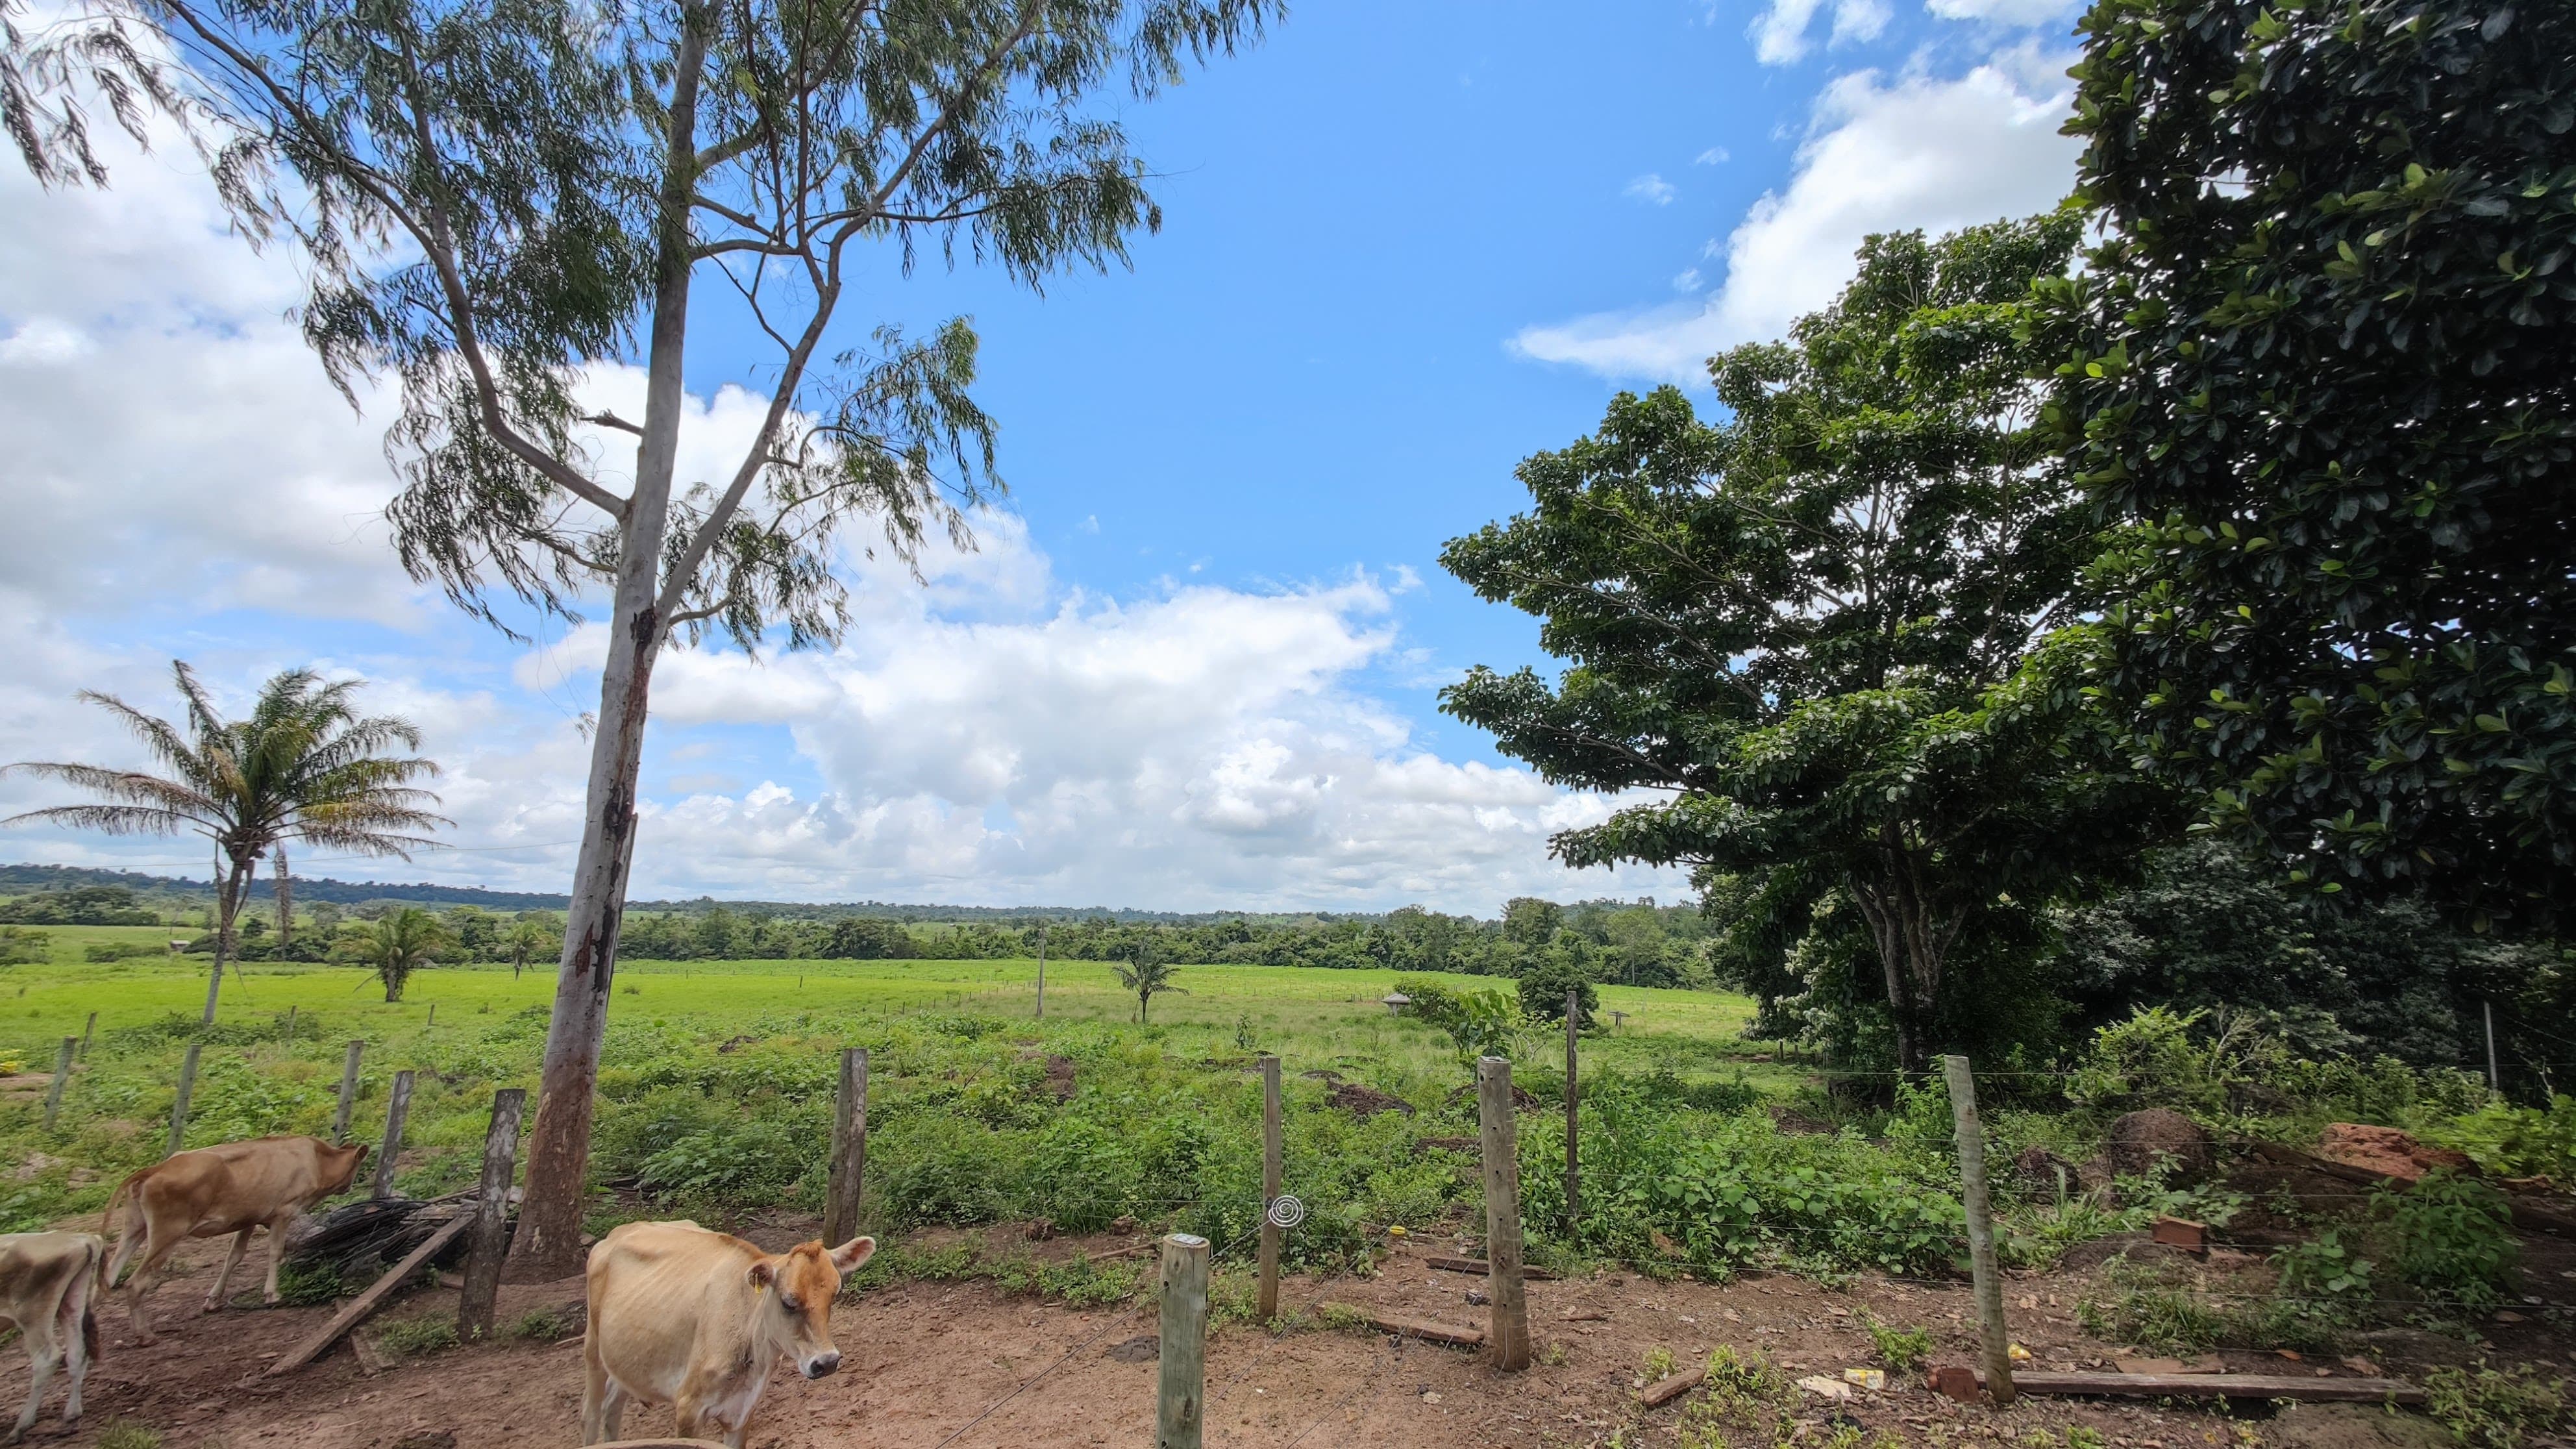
1428 1332
1664 1391
2219 1386
369 1301
1451 1263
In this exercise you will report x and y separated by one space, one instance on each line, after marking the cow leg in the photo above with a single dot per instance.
232 1260
276 1256
603 1403
77 1324
44 1354
141 1282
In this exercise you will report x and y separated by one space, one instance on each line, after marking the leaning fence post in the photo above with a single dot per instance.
187 1089
1573 1168
290 1026
491 1230
348 1093
1267 1306
1508 1335
62 1074
88 1031
849 1149
1182 1399
1996 1341
395 1112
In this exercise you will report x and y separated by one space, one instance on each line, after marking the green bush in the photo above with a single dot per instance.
102 952
2512 1141
413 1337
2493 1410
2452 1240
1901 1349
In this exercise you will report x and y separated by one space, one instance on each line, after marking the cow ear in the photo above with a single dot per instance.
848 1257
762 1274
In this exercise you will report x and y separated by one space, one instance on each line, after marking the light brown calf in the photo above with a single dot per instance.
265 1182
48 1283
694 1319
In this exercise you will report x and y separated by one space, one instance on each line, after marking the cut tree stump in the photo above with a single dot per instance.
368 1302
1664 1391
1450 1263
2218 1386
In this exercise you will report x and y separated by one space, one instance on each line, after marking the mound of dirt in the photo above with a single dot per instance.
2138 1139
1365 1101
2386 1151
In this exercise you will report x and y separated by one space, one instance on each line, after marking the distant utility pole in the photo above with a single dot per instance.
1041 971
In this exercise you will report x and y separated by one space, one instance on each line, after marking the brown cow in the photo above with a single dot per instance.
265 1182
694 1319
48 1286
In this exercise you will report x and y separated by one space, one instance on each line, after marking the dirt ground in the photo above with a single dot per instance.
935 1365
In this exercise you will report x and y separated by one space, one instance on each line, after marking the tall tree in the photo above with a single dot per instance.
1147 971
2325 371
302 765
1792 620
496 193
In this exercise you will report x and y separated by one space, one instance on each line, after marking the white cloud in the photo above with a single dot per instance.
2000 12
1688 280
989 735
1713 156
1779 33
1652 189
1881 155
1857 21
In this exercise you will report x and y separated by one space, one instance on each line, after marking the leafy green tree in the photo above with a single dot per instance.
1147 971
1795 622
2326 375
1553 975
1529 921
495 194
302 765
396 945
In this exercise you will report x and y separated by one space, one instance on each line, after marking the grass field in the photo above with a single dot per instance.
716 1080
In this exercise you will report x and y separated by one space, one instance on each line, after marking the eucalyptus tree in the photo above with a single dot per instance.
1791 625
302 765
497 194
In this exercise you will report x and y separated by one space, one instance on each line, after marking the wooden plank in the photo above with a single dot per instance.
2220 1386
2527 1215
1664 1391
1507 1321
1451 1263
1420 1328
374 1298
482 1285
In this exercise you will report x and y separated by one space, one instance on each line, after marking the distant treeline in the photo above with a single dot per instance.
183 893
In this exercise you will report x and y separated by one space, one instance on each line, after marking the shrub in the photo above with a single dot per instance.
127 1434
411 1337
1901 1349
2453 1240
1544 985
2488 1409
2512 1141
305 1282
102 952
540 1325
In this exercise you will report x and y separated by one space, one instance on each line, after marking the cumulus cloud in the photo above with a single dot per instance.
988 734
1651 189
1881 154
2000 12
1779 33
1713 156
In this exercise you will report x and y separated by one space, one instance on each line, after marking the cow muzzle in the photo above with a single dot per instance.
821 1365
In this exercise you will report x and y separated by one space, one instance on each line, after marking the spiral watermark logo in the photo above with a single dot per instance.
1285 1211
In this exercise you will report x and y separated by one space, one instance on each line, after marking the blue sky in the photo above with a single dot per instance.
1195 663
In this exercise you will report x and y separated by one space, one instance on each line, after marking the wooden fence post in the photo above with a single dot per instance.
491 1230
1989 1284
1573 1167
348 1093
1182 1399
433 1017
395 1112
87 1032
849 1149
187 1089
1041 973
62 1074
290 1026
1508 1335
1267 1306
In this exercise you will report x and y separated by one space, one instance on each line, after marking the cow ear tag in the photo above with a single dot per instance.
762 1275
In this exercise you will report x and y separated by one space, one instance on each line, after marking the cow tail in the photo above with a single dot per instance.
89 1301
107 1220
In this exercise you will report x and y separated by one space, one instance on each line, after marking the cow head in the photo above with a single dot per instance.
339 1167
796 1290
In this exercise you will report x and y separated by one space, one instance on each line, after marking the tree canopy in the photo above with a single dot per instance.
2322 372
1793 621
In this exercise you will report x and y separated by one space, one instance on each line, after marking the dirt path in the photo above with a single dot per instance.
936 1366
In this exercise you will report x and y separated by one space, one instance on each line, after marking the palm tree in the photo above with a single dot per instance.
533 936
302 766
1147 971
396 946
